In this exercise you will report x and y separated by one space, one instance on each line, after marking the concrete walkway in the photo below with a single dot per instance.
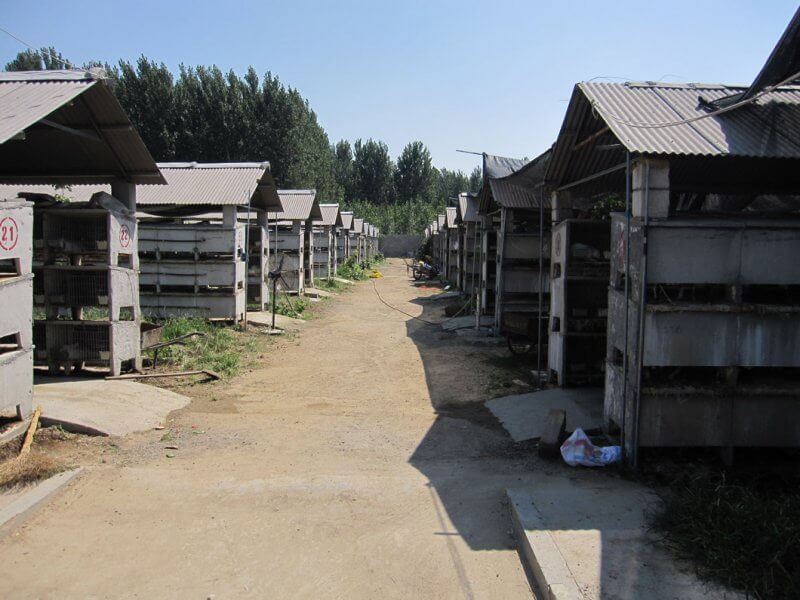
589 538
524 415
99 407
325 473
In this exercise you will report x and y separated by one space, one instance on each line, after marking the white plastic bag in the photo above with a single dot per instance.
578 449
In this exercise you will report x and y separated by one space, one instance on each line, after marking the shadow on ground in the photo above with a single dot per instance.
466 455
470 462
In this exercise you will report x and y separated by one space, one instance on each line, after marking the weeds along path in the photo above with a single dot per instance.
325 472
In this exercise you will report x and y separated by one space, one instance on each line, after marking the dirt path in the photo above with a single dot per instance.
327 473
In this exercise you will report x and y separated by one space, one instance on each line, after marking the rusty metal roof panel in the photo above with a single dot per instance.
298 205
649 118
58 126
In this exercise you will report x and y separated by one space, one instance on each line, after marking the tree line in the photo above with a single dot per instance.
205 115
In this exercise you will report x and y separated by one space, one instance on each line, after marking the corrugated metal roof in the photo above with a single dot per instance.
495 167
67 125
298 205
75 193
199 185
358 226
212 184
769 128
468 207
452 216
347 219
331 216
441 220
521 189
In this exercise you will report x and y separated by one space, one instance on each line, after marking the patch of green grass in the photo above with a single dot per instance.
330 285
742 531
294 307
221 348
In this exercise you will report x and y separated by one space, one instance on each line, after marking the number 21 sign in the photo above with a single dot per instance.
9 233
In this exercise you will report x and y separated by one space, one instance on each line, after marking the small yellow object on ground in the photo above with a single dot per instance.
375 275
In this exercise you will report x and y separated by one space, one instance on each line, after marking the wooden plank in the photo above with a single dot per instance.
26 444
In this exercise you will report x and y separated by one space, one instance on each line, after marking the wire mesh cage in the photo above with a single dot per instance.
74 232
76 287
78 341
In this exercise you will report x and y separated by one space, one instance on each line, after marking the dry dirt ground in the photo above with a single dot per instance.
354 462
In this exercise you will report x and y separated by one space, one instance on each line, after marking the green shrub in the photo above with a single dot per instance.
352 270
221 348
742 531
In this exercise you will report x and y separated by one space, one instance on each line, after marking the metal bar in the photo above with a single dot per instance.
99 132
71 130
642 302
541 275
597 175
627 278
590 138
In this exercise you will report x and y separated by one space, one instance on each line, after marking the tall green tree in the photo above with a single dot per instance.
343 170
475 180
415 176
451 184
38 60
146 92
373 172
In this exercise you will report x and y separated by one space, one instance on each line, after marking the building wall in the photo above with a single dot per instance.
400 245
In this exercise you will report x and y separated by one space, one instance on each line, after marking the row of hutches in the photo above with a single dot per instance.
657 261
95 236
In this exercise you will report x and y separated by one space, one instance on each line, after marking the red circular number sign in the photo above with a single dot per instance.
9 233
124 236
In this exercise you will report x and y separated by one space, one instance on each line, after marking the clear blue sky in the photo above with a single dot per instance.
488 76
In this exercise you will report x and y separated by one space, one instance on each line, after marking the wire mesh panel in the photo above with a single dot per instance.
73 287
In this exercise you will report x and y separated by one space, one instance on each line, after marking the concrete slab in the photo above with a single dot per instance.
524 415
315 293
264 319
466 322
20 502
101 407
588 538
